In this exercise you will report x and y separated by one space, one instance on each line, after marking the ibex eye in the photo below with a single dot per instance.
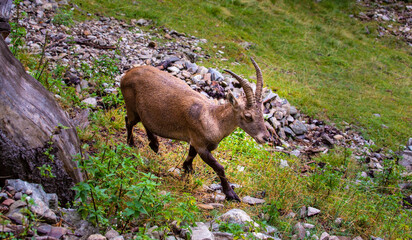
248 117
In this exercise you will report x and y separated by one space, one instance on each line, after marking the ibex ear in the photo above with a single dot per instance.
232 99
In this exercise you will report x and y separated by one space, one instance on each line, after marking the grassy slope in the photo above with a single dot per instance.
314 54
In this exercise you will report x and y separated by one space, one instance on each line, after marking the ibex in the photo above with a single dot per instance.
169 108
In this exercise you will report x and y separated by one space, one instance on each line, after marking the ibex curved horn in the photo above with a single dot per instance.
259 81
246 88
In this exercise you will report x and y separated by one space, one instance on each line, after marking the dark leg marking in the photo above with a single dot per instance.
220 171
187 165
154 143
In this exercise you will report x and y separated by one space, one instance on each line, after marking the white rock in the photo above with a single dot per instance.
252 201
201 232
90 101
324 236
308 225
236 216
312 211
283 163
96 237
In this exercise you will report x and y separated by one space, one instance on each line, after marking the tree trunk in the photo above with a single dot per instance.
29 130
5 6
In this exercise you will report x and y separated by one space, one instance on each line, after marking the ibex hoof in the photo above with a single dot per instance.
188 168
231 196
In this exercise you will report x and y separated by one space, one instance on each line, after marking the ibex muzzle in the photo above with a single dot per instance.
169 108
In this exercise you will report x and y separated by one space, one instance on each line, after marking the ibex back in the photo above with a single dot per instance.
169 108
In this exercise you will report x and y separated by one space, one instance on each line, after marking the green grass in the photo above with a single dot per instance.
312 53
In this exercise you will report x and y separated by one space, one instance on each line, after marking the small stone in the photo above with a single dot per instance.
295 153
16 205
299 230
291 215
205 206
168 37
142 22
338 137
237 216
324 236
8 202
86 32
252 201
173 69
3 196
358 238
174 171
17 217
308 226
215 75
201 232
298 127
111 234
284 164
312 211
219 197
376 115
338 221
18 195
302 212
91 101
96 237
57 232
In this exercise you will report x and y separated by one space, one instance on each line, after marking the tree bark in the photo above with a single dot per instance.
5 6
29 129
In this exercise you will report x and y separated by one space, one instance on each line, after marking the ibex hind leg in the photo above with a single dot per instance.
131 120
187 165
154 143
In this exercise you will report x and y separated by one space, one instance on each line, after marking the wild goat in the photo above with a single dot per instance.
169 108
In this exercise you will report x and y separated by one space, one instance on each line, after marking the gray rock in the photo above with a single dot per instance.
338 221
201 232
312 211
237 216
216 75
295 153
269 230
18 195
202 70
289 131
302 212
292 110
299 230
41 209
111 234
16 205
264 236
173 69
191 67
406 160
223 236
142 22
252 201
284 164
298 127
308 226
96 237
358 238
91 101
324 236
17 217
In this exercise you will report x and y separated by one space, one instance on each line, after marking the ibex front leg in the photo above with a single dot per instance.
206 155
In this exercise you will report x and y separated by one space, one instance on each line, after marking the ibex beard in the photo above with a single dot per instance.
169 108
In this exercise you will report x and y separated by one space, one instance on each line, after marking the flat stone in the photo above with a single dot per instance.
96 237
338 137
312 211
302 212
223 236
16 205
252 201
217 205
57 232
308 226
8 202
205 206
358 238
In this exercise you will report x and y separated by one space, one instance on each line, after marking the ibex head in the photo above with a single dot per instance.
249 109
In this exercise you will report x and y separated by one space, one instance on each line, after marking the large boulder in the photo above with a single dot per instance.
31 131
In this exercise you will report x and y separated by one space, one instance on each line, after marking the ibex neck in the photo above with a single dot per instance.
226 119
